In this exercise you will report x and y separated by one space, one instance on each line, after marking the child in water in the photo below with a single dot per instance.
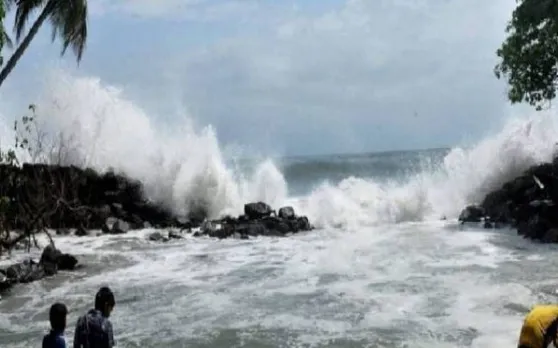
57 317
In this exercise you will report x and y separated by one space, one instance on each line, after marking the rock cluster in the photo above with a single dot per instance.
527 203
259 219
81 199
52 260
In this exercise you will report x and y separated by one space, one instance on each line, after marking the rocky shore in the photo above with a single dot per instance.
77 199
35 198
528 203
52 260
259 219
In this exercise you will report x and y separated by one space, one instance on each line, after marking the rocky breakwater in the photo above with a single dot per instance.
528 203
52 260
68 197
259 219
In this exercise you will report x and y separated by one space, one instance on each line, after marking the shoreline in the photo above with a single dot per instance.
112 204
82 202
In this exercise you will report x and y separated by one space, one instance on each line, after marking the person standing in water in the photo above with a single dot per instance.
57 316
94 329
539 327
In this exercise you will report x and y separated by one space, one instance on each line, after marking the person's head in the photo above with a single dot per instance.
57 317
104 301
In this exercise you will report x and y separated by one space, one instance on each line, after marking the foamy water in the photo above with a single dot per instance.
427 284
382 270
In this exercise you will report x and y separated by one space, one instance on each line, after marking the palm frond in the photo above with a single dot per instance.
7 39
69 22
24 9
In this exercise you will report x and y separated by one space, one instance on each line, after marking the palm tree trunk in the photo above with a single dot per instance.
10 65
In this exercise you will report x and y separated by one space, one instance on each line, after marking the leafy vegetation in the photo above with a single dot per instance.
529 55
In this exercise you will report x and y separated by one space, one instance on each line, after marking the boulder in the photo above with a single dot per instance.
471 213
286 213
67 262
175 235
257 210
528 202
114 225
258 220
157 237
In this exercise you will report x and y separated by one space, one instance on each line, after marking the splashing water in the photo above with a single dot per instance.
183 166
365 282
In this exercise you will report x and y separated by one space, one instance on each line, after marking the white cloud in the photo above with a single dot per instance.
369 67
317 75
198 10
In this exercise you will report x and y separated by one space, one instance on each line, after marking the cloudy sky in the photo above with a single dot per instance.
298 76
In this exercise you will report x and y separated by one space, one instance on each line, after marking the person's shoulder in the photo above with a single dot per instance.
106 324
56 341
80 320
60 342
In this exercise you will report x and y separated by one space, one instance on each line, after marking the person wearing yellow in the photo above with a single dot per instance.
539 327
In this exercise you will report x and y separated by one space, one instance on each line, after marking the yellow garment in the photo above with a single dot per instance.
535 326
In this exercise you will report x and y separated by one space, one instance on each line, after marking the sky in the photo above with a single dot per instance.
294 77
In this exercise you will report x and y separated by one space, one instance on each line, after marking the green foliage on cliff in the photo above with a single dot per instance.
529 55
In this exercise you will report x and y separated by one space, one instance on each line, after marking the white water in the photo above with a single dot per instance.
376 287
360 277
183 164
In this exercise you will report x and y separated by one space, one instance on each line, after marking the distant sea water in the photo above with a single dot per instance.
387 266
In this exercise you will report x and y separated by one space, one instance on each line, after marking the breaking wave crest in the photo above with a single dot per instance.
88 123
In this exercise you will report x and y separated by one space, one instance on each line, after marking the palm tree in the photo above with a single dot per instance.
67 17
7 41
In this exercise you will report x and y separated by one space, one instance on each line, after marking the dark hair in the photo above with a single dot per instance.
104 297
57 316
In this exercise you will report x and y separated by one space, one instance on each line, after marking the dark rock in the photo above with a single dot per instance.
136 223
116 204
81 232
5 282
157 237
257 210
63 231
107 226
523 228
120 227
67 262
118 210
25 272
286 213
103 212
551 236
471 213
91 198
537 227
258 220
53 260
304 224
528 202
253 229
114 225
175 235
50 255
196 215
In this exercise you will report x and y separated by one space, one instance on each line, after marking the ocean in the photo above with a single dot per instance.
387 266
